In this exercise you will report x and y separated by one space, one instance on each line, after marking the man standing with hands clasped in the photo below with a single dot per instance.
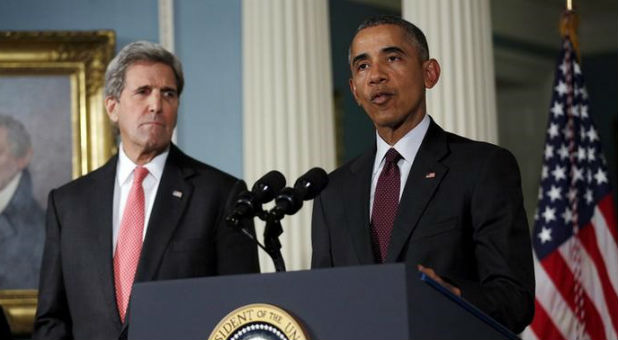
451 205
150 213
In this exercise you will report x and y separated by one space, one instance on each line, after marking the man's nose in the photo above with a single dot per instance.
154 102
377 74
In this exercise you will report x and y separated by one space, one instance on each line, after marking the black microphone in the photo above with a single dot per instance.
306 187
268 186
311 183
249 203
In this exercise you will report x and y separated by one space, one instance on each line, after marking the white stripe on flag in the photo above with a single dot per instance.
591 284
528 334
607 246
551 300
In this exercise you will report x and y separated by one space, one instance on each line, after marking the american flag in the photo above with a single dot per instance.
574 237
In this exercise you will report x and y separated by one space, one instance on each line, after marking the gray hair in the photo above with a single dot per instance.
416 36
135 52
17 136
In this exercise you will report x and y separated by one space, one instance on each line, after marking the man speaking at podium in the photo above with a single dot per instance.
448 204
150 213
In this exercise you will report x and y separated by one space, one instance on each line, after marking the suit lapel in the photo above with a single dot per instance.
166 212
357 206
425 176
101 232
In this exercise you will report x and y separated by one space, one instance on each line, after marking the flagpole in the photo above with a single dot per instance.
568 30
568 27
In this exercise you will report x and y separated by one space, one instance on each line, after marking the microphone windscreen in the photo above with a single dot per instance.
244 206
288 201
267 187
311 183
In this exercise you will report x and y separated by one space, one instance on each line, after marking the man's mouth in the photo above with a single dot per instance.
152 126
381 97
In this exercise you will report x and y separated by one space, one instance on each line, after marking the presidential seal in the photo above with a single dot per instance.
258 321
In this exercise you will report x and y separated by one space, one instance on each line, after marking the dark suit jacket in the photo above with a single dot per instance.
461 213
186 237
5 329
22 234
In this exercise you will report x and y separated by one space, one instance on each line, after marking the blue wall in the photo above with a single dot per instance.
132 20
208 41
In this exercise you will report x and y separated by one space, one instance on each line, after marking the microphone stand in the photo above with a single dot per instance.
271 245
271 238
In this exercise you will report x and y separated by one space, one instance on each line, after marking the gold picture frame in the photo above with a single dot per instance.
82 56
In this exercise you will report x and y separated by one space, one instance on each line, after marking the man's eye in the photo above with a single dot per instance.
393 58
361 67
170 93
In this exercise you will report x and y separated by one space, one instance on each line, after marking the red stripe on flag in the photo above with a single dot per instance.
543 325
563 279
589 241
606 205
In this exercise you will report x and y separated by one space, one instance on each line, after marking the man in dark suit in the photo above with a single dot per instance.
22 221
150 213
424 196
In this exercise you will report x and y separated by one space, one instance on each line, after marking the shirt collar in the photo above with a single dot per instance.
407 146
6 194
126 165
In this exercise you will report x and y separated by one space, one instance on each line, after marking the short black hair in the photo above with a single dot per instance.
416 36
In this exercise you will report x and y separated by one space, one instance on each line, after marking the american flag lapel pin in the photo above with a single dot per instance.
177 194
430 175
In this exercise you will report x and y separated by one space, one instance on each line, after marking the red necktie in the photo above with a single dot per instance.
129 244
385 204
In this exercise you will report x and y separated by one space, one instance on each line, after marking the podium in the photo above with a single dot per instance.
388 301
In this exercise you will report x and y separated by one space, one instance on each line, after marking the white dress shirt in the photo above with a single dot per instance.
124 180
407 147
7 193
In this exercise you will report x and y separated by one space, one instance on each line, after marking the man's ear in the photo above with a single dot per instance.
111 106
431 68
353 90
23 162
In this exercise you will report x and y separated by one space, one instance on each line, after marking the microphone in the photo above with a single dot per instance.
268 186
249 203
306 187
311 183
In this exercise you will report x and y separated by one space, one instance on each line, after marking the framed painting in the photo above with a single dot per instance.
51 92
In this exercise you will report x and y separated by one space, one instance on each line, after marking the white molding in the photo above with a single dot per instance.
166 35
287 104
459 37
166 24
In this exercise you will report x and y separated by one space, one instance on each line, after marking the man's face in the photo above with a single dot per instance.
388 78
9 164
146 111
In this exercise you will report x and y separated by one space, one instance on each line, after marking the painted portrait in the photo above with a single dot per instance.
53 128
35 134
